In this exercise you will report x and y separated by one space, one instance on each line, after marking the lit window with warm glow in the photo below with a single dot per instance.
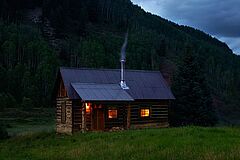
145 112
88 108
112 113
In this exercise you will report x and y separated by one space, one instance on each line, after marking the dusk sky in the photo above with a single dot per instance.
219 18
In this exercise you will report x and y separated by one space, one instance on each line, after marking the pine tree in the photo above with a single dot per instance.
193 105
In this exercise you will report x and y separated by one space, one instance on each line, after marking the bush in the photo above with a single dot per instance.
27 103
3 133
7 101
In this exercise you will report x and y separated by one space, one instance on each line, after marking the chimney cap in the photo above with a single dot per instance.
124 85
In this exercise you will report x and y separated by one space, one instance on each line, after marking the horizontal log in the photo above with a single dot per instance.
141 123
159 114
77 116
117 122
151 125
62 98
66 102
76 113
160 105
160 109
149 119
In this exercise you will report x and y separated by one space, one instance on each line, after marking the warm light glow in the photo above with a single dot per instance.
145 112
88 108
112 113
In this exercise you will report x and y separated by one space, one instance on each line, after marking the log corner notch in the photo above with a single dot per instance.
64 116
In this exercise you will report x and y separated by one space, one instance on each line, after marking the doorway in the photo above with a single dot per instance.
98 119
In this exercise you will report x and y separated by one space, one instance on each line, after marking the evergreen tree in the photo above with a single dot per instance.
193 104
3 133
89 33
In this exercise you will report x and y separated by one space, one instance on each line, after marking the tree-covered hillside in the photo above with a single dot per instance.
89 33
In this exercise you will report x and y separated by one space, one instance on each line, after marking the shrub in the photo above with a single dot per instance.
27 102
3 133
7 100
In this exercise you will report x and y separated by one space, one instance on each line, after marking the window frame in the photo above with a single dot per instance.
109 109
145 108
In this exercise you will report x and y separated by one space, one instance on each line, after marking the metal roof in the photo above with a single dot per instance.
144 85
101 92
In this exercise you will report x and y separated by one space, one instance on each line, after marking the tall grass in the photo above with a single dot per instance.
175 143
20 121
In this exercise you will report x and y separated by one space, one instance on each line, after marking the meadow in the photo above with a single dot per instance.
20 121
171 143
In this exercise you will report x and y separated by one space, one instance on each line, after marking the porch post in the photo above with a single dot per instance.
83 129
128 116
91 116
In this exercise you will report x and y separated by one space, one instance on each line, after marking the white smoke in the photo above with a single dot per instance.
124 47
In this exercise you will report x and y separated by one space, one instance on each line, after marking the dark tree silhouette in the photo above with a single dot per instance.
193 104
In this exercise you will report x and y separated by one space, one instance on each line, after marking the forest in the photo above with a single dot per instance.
89 33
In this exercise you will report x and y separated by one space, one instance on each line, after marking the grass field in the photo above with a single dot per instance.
174 143
19 121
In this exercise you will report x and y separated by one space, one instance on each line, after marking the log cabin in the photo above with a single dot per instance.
108 99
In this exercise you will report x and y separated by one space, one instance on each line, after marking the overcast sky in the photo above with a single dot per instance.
220 18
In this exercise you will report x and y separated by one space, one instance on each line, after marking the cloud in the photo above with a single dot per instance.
233 43
219 18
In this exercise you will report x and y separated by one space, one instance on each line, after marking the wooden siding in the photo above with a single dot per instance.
61 90
63 109
64 127
128 116
77 117
158 115
120 121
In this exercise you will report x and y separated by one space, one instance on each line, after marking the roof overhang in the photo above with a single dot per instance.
101 92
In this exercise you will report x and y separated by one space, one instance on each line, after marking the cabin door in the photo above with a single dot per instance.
98 119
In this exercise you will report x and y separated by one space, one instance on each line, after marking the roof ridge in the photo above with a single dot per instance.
108 69
96 83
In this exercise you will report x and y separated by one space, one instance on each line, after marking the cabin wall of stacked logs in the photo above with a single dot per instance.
64 115
120 121
128 116
63 110
158 118
77 116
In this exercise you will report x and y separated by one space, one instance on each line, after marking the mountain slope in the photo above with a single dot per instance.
155 43
89 33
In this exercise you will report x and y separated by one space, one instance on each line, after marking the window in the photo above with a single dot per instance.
145 112
63 112
88 107
112 113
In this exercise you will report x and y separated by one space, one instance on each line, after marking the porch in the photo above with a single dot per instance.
100 116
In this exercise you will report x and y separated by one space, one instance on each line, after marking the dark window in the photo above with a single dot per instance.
63 112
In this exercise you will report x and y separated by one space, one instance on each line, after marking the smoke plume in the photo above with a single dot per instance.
124 47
